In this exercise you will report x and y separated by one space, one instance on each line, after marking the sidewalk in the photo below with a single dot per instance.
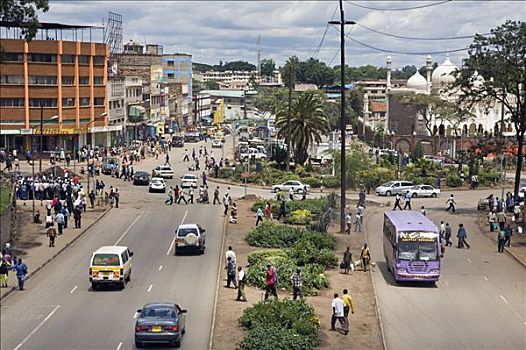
32 243
517 248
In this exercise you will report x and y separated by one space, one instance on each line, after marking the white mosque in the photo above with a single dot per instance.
486 121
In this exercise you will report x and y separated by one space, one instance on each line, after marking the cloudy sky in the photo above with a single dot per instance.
228 30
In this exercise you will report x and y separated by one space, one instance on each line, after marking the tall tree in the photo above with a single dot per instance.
500 58
22 13
451 112
308 124
268 66
423 104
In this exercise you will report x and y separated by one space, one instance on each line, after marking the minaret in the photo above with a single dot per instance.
388 66
388 63
429 69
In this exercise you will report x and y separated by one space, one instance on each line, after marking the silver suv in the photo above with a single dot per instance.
393 187
190 237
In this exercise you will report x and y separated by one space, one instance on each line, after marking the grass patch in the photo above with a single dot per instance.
5 193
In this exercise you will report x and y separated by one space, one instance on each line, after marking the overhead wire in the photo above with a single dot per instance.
397 9
338 51
318 48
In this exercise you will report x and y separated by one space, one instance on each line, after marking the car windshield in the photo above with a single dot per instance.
417 246
106 260
157 182
189 177
159 312
141 173
183 232
388 184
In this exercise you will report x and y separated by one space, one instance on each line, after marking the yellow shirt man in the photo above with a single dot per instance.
347 302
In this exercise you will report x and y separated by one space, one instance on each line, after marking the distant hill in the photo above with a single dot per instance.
235 65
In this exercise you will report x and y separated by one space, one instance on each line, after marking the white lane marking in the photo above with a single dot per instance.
525 323
150 288
469 260
212 329
71 291
160 267
36 328
485 278
135 314
504 299
173 240
119 346
128 229
184 216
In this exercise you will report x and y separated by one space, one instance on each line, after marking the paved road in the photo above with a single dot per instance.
60 311
479 302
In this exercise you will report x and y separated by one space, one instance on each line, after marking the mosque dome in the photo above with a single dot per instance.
417 82
442 75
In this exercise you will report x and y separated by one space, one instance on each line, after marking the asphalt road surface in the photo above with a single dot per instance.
58 310
479 302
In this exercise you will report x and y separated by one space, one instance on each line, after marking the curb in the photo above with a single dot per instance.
35 271
218 281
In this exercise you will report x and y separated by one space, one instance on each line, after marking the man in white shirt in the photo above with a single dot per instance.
240 284
230 253
337 314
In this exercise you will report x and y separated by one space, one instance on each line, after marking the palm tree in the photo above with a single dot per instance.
308 123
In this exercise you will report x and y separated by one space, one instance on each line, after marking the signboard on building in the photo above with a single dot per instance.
58 131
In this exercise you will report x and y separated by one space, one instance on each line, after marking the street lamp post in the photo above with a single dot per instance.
55 117
342 22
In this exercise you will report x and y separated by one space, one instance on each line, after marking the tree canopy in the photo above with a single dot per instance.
221 67
495 71
268 66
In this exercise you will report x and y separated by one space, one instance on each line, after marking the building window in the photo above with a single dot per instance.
68 102
83 59
83 80
67 59
98 80
84 101
98 60
12 79
67 80
98 101
11 102
42 57
14 56
42 80
45 102
170 75
170 63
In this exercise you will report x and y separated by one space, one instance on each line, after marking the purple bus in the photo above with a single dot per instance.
411 246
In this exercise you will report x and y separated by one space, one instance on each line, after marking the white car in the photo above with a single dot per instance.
190 237
423 191
189 180
296 186
164 171
252 153
393 187
217 143
157 184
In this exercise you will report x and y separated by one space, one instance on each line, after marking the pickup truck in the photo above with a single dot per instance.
252 153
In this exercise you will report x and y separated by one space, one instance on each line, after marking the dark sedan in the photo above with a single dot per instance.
141 178
160 323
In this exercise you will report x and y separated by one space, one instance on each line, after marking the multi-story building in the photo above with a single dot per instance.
202 111
135 107
116 108
237 104
54 82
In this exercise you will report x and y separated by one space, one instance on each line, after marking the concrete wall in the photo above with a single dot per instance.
7 220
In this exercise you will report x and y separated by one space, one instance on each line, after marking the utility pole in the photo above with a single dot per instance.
41 137
289 116
342 24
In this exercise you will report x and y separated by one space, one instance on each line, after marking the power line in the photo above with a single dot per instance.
419 38
338 51
324 34
397 9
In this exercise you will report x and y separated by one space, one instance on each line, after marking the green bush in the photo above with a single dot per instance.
320 240
331 182
257 255
488 178
270 235
316 206
306 252
454 181
299 217
280 324
312 181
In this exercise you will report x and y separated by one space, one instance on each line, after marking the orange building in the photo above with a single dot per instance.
59 84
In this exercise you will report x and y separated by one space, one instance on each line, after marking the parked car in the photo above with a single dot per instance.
164 171
157 185
252 153
483 203
160 323
190 237
189 180
296 186
109 164
423 191
178 140
393 187
217 143
141 178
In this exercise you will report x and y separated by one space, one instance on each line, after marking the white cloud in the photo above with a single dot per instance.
227 30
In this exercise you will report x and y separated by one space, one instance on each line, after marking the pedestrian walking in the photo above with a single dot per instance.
362 198
501 219
268 211
407 200
451 203
241 280
91 197
271 281
5 265
167 160
348 222
423 211
397 202
77 215
226 203
231 254
52 234
359 219
216 196
508 232
182 197
231 272
297 284
259 216
185 157
59 219
347 306
347 260
21 271
447 232
170 198
291 194
501 238
204 178
337 314
492 220
116 195
191 194
462 235
365 256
